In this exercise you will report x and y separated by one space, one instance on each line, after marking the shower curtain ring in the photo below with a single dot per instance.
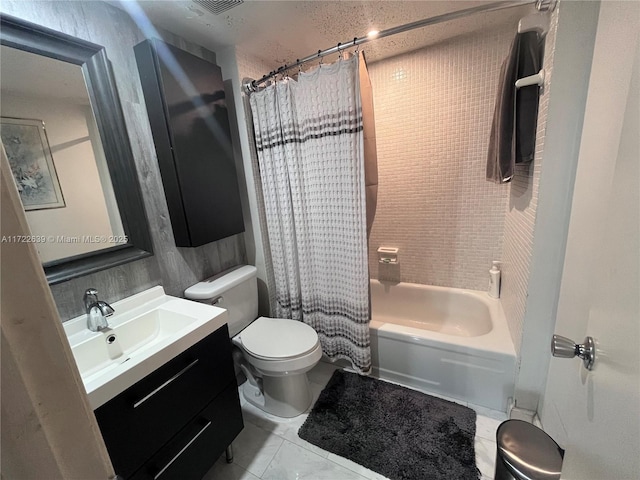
339 52
320 57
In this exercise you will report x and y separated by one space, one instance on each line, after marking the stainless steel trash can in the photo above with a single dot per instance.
524 452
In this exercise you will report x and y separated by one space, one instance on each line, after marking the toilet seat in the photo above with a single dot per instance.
278 339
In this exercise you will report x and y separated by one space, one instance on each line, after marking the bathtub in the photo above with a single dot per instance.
449 341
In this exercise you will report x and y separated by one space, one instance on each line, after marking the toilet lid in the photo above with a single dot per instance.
278 338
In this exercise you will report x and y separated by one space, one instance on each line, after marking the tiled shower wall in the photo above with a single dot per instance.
433 112
521 211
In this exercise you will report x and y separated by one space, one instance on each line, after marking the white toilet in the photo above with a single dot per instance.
275 354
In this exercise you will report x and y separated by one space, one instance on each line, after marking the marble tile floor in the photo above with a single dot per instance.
269 447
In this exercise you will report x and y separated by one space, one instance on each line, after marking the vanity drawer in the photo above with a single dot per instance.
140 420
193 451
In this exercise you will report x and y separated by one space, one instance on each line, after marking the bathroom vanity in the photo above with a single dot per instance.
162 384
178 420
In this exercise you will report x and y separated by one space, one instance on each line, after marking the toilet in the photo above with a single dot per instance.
274 354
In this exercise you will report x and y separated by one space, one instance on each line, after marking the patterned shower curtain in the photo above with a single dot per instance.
310 150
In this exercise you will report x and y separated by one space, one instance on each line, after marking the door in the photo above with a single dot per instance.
595 415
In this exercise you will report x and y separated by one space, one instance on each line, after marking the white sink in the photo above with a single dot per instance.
146 331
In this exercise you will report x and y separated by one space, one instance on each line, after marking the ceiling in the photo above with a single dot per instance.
279 32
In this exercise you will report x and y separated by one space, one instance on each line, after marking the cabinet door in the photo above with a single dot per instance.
139 421
194 450
186 103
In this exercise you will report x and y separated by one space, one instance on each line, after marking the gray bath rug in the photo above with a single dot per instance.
399 433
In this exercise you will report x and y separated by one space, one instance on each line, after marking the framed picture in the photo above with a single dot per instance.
27 148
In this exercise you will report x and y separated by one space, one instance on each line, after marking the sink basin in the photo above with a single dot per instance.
146 331
115 345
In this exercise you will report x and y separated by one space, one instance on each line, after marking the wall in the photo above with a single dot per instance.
85 211
174 268
520 215
236 65
570 64
48 427
595 415
433 111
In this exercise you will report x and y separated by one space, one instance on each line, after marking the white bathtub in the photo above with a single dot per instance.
449 341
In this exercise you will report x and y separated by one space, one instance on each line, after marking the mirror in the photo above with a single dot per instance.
63 131
51 139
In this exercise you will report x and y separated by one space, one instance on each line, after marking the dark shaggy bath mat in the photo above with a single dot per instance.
399 433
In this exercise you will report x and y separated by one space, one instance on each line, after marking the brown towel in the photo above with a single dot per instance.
370 151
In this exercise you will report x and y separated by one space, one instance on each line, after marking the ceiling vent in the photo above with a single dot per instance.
218 6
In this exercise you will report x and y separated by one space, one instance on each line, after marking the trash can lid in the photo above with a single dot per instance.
528 452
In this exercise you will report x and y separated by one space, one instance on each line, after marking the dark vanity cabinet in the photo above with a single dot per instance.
177 421
186 105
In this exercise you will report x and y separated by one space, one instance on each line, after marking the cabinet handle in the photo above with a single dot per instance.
182 450
147 397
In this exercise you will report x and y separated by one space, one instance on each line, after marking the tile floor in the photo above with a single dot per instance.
269 447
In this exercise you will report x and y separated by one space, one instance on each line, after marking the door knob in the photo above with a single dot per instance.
565 348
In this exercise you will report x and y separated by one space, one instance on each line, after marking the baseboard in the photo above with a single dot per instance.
516 413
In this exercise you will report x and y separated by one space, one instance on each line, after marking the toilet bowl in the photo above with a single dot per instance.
281 352
274 354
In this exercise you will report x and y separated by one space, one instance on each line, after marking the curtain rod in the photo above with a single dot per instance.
541 5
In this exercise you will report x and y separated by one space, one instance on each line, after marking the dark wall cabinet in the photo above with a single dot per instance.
186 105
175 422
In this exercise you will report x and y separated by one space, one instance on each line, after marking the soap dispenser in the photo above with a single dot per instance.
494 280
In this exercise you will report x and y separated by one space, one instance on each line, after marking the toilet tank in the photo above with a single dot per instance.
235 290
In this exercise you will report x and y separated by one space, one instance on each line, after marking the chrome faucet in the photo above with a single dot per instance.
97 311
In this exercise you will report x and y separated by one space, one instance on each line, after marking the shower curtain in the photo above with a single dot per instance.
310 151
370 148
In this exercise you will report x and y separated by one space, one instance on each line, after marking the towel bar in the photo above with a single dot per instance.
537 79
538 22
